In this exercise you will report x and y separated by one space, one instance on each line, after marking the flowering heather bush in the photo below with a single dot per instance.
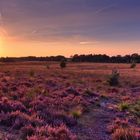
56 118
37 138
35 107
16 105
60 133
27 131
122 130
7 105
17 119
30 115
51 133
125 134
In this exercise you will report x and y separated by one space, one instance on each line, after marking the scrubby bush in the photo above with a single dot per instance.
31 73
114 78
133 65
63 64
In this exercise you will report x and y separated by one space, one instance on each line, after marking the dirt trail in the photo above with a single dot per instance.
94 124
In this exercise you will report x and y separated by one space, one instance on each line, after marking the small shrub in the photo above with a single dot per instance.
63 64
31 73
133 65
123 106
114 78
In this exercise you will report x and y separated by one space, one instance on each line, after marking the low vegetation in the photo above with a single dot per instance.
62 64
125 134
135 109
123 106
133 65
114 78
74 104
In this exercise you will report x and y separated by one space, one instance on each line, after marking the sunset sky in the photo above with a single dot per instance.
67 27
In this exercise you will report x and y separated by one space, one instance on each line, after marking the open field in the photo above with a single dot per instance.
41 101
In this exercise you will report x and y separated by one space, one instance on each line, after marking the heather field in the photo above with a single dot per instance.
83 101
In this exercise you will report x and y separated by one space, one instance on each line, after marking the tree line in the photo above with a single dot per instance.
32 58
98 58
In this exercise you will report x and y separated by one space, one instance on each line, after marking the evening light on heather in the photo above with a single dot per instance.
69 69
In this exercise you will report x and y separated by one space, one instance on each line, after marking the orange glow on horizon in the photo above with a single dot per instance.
16 47
31 48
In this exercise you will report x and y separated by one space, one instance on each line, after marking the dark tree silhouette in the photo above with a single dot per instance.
97 58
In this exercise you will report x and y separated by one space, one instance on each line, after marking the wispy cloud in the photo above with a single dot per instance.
88 42
104 8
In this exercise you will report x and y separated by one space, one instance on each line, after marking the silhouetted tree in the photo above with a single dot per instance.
97 58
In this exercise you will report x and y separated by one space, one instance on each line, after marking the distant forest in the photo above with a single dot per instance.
98 58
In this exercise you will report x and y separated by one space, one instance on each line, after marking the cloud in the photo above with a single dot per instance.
103 9
88 42
43 19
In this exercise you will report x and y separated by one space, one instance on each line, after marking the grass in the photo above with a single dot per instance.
123 106
76 112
